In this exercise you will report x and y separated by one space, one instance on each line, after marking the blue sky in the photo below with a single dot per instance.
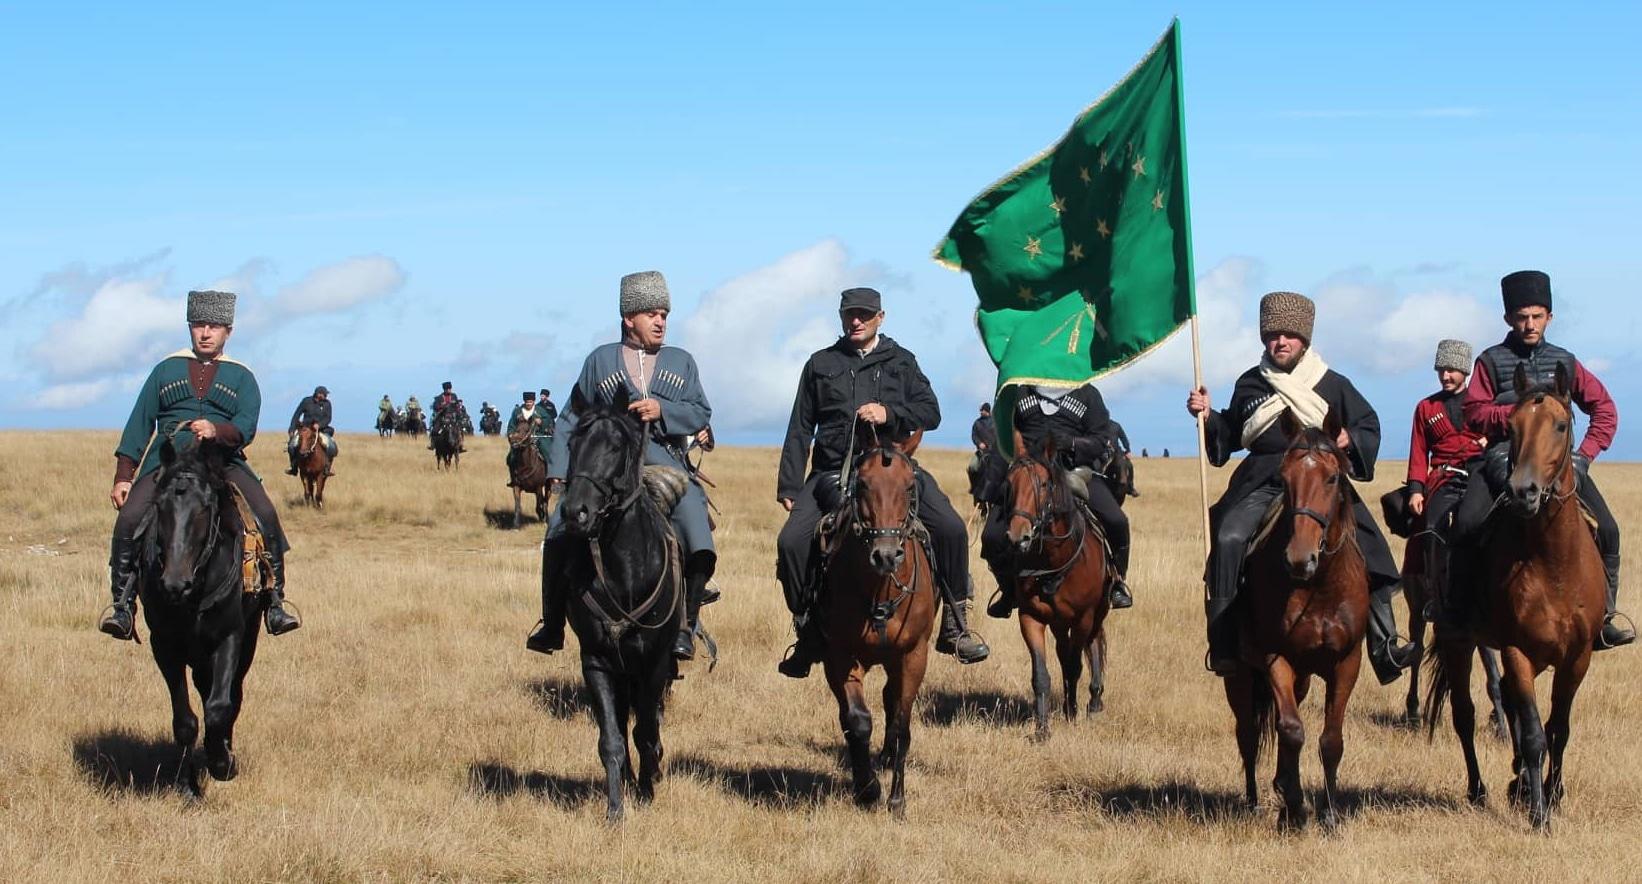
413 192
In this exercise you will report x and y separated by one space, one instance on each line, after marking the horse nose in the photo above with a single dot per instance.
1309 569
1529 495
888 561
174 586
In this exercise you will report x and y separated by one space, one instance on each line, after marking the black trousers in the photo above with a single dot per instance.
1233 531
995 533
142 494
797 555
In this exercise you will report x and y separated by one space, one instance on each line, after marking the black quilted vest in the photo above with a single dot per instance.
1540 362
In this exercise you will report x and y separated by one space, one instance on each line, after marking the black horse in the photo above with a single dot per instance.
447 440
386 424
199 611
625 588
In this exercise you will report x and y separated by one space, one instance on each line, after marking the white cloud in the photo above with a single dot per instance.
75 394
124 321
519 349
339 286
751 335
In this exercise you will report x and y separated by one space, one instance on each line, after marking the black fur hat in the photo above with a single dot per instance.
1526 288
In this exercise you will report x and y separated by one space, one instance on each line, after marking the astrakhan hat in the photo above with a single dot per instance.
530 394
1525 288
645 290
213 307
1453 354
1287 312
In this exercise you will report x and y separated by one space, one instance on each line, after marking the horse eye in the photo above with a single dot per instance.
1562 426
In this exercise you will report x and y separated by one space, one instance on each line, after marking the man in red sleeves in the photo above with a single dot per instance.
1438 450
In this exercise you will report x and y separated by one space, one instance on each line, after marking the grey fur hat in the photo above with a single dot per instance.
645 290
214 307
1287 312
1453 354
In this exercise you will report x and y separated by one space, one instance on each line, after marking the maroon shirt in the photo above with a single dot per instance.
200 376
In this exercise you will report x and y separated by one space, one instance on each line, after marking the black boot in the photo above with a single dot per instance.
276 618
1120 586
956 639
121 619
1388 656
1003 603
290 453
548 636
1222 658
695 584
807 650
1613 635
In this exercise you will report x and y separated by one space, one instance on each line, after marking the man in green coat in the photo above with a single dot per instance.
541 434
195 396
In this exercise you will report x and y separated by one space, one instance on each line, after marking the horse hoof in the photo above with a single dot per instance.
898 809
1041 735
1478 797
1291 820
1096 707
868 797
613 815
224 769
1329 820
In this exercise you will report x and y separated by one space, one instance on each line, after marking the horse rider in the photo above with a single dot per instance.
863 376
443 402
385 410
313 410
488 413
203 397
1077 420
550 412
1290 377
413 406
463 417
530 414
665 393
983 433
1439 446
1488 404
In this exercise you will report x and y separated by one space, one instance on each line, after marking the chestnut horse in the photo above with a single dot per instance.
313 464
1305 607
878 607
1061 575
527 472
1542 601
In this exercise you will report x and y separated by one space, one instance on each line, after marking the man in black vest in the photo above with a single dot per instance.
863 376
1291 377
1488 404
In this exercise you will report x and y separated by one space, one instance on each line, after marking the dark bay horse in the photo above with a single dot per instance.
625 587
386 423
313 464
1421 587
413 424
1305 608
1541 599
201 615
527 472
1061 574
878 608
447 441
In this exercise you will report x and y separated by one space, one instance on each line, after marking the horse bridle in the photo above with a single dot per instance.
1565 466
1324 520
616 502
900 532
1040 494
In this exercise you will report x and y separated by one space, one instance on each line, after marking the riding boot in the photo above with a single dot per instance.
276 618
807 650
695 584
1003 602
120 622
291 453
955 638
1120 586
1388 657
1223 656
548 636
1613 635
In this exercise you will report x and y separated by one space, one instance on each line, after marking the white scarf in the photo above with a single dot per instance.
1294 392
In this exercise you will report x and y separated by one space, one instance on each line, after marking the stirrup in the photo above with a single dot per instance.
1601 644
129 636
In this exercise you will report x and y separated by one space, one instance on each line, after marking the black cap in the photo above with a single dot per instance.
860 299
986 407
545 393
530 394
1525 288
321 389
445 385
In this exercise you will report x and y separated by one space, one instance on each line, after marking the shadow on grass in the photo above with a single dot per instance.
560 698
499 781
124 762
943 708
502 519
1396 721
768 786
1205 807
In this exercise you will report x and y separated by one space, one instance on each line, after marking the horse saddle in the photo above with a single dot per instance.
665 485
256 564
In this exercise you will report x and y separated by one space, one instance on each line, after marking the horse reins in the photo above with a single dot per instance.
628 619
1040 524
881 611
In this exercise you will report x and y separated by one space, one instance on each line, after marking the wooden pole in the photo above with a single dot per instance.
1202 443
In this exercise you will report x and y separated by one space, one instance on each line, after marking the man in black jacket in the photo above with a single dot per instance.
868 377
316 410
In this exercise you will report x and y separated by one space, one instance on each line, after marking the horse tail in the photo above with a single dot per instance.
1263 709
1439 685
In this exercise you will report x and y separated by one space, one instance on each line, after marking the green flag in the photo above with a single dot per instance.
1081 257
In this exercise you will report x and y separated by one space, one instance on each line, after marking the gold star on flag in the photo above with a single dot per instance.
1033 247
1157 201
1139 167
1103 159
1083 173
1102 229
1025 294
1059 205
1076 252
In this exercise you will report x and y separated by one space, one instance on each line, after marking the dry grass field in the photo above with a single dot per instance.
404 733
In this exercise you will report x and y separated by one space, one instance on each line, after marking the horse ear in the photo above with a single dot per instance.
168 453
1331 425
910 444
1562 381
619 401
1289 424
1519 381
578 402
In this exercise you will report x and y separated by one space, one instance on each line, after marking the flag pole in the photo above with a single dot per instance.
1191 279
1202 442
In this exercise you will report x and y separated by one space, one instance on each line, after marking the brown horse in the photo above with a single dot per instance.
1541 600
1061 575
1420 587
527 472
313 464
878 609
1305 603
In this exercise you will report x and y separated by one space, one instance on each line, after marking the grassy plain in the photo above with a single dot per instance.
404 733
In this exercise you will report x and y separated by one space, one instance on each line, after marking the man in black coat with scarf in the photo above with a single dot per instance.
1290 377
